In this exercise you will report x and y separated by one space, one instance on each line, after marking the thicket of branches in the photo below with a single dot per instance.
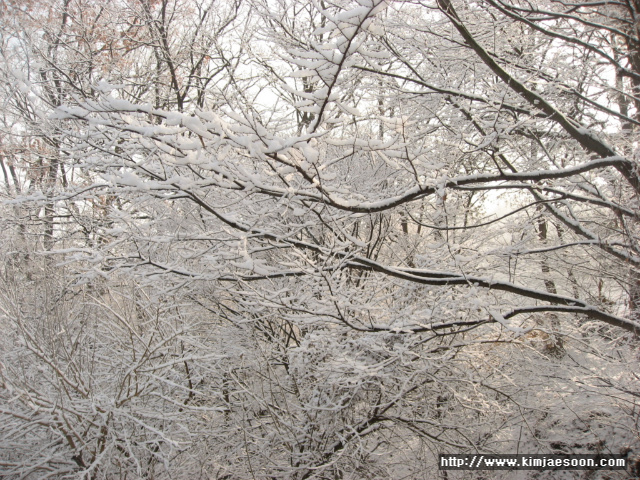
296 240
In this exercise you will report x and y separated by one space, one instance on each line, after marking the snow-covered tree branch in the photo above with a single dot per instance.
250 239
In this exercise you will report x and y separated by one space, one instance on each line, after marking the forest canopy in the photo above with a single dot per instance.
297 239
